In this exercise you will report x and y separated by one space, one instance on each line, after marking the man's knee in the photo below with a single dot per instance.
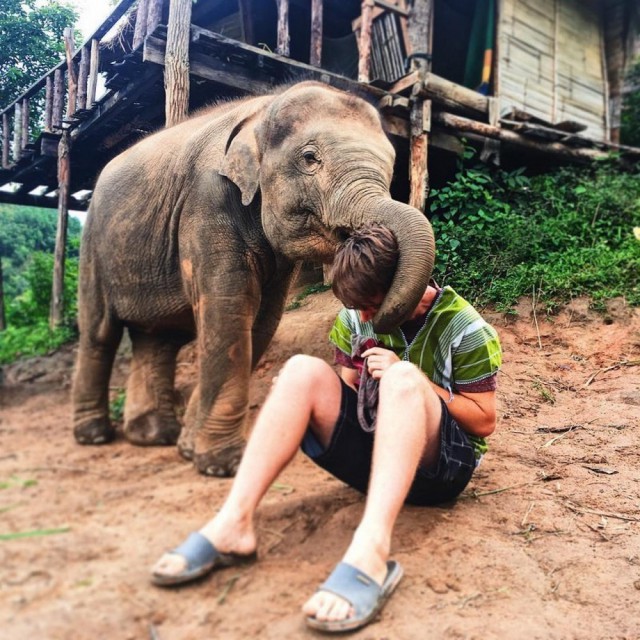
404 380
303 369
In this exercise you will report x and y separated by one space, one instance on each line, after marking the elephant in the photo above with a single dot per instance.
195 233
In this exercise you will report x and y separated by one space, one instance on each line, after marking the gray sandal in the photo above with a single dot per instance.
359 589
202 558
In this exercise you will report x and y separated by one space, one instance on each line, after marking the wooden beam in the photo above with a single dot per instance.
420 118
83 77
364 41
6 134
454 96
56 313
465 125
283 28
407 82
140 30
94 70
315 53
48 104
176 69
72 76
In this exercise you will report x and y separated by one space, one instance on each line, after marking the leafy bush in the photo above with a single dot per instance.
501 235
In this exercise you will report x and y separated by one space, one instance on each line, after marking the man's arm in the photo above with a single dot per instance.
474 412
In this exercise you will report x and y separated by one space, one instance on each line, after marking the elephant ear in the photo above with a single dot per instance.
241 163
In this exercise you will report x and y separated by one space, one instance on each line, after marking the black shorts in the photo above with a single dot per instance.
348 456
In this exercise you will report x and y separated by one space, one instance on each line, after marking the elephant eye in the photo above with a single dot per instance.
311 157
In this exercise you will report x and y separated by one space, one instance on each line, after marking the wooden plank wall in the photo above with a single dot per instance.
550 61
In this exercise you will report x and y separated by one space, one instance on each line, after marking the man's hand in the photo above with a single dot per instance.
379 360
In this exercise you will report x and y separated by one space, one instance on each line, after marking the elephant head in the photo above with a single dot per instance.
323 166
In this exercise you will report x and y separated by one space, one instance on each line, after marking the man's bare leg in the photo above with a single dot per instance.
307 391
407 432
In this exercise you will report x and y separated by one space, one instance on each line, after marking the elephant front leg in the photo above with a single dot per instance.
91 423
149 416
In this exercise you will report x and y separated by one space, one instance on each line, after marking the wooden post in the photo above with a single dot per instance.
364 43
3 317
72 76
420 124
246 21
315 54
176 65
48 104
6 133
283 28
56 313
94 70
420 27
154 15
140 30
25 123
83 78
17 131
58 98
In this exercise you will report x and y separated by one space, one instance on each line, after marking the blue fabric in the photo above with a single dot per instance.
197 551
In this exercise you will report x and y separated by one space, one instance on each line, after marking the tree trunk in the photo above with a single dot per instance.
176 69
141 23
94 69
419 26
56 314
58 98
48 104
364 42
419 148
283 28
83 77
154 15
315 54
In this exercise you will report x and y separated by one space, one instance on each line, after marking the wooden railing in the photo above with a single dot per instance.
72 82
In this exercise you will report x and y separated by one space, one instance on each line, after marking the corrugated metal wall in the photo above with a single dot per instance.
550 61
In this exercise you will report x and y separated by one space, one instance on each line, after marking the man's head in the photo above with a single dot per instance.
364 266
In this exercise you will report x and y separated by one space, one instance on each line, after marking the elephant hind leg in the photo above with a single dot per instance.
149 415
96 353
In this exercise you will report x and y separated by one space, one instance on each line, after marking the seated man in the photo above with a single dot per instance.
434 406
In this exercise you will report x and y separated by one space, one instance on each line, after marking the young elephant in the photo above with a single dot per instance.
195 232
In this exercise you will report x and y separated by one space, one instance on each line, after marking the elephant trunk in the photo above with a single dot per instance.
417 254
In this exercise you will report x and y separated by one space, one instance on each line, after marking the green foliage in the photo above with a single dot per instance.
31 42
630 117
296 303
23 231
502 235
116 406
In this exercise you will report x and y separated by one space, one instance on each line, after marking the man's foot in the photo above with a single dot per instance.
211 548
327 606
350 599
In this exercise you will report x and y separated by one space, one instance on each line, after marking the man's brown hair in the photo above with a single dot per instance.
364 266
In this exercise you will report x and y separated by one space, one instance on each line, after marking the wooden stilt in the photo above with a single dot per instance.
72 76
83 78
176 69
6 134
25 123
364 43
245 7
283 28
420 27
94 70
419 119
56 314
48 104
17 131
58 98
140 30
315 54
154 15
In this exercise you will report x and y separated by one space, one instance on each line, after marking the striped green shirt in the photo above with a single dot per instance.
455 347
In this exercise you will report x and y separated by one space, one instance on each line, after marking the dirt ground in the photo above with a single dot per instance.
544 543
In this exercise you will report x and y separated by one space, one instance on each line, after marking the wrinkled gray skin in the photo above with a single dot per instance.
196 230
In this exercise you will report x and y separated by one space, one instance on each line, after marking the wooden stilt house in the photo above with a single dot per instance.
544 75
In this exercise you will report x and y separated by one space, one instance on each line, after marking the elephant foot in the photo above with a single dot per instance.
95 431
186 446
221 464
152 430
